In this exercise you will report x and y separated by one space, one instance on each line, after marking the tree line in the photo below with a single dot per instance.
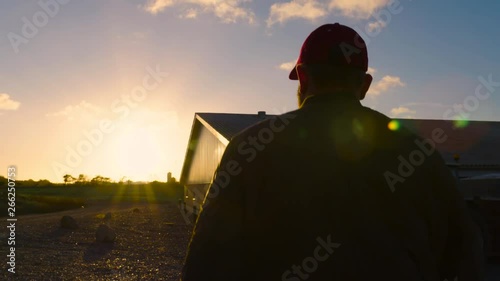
81 179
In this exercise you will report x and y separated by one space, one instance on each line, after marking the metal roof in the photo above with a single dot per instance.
477 142
222 125
227 125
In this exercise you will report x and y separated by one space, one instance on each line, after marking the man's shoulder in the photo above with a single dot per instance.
388 129
269 126
392 127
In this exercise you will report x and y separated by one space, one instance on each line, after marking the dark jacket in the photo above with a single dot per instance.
330 192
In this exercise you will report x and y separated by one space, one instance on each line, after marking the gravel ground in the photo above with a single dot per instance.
151 244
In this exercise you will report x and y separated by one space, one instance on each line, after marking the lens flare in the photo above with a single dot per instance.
394 125
460 123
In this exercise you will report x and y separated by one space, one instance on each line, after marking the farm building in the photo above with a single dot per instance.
210 134
471 149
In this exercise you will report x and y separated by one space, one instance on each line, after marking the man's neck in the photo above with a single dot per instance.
334 97
337 96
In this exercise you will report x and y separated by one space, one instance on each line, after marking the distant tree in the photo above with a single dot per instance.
3 181
68 179
82 179
122 180
43 183
30 183
100 180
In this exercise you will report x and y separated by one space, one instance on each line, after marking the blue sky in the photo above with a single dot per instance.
60 80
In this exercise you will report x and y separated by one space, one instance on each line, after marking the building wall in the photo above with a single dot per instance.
207 154
194 197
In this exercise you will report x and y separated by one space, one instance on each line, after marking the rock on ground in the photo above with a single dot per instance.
108 216
105 233
68 222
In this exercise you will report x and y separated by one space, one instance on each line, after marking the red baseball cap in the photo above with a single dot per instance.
333 44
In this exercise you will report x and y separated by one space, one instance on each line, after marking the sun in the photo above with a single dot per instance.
138 154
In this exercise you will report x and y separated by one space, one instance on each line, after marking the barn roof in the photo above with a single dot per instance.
476 142
227 125
224 126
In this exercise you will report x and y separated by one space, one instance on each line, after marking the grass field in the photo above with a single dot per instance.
53 198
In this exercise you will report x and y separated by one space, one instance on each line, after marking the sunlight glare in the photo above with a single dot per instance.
138 154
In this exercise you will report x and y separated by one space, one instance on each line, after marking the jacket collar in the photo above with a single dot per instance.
332 99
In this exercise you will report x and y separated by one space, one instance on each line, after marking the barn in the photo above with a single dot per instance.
210 134
471 148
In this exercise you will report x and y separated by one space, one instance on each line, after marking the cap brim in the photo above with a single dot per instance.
293 74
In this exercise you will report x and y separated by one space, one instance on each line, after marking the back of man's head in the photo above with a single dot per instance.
333 58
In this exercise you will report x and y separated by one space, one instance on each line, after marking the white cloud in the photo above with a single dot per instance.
315 9
81 110
358 9
287 66
376 25
190 14
402 110
156 6
399 111
371 70
6 103
305 9
384 84
428 104
228 11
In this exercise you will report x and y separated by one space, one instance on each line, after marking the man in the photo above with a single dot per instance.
318 197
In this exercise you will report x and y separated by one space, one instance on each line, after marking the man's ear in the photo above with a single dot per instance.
367 81
303 78
301 73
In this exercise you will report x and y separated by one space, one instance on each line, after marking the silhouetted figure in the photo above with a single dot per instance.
333 191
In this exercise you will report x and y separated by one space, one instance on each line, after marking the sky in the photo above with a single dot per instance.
111 87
